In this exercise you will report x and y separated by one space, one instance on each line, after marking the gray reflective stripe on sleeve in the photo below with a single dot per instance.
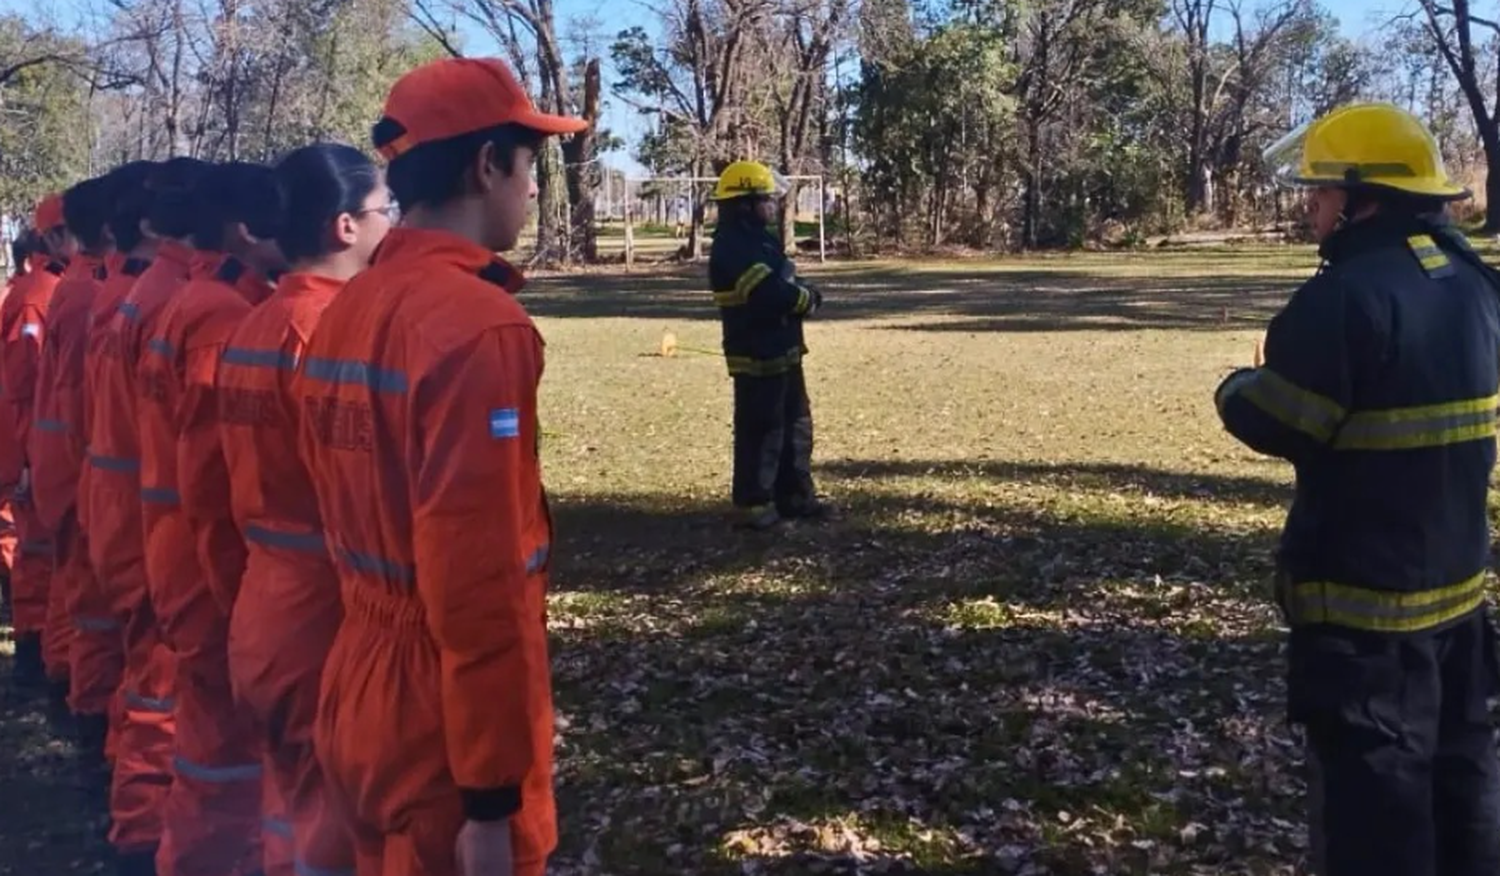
375 565
148 704
308 542
114 463
160 496
96 624
538 558
305 869
276 827
217 775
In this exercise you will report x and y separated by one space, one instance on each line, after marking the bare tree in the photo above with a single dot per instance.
1451 28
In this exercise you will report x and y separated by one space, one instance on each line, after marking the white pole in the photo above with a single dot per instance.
629 230
822 206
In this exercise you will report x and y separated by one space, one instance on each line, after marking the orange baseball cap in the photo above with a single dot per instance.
457 96
49 213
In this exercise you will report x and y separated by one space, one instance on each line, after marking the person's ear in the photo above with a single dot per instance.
240 232
486 169
345 229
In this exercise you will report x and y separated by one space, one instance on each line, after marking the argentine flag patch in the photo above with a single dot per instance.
505 423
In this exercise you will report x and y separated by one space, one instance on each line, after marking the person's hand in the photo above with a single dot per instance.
484 848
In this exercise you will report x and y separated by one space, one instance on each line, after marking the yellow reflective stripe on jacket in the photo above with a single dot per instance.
1424 426
1301 409
1434 261
748 367
746 284
804 300
1319 602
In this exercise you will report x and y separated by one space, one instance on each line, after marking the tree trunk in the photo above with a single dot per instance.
695 232
582 172
1031 206
1491 138
552 205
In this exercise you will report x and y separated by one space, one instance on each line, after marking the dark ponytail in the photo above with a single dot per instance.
235 192
132 199
171 212
318 183
86 209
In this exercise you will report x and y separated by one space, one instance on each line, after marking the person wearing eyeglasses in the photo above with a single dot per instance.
336 211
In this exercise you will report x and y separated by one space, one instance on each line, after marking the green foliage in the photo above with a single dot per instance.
928 115
44 122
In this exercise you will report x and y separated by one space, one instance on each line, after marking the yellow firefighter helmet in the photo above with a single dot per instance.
1365 144
744 179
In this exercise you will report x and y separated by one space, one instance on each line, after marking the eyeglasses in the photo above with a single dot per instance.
391 211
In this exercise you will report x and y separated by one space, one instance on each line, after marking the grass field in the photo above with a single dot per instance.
1039 642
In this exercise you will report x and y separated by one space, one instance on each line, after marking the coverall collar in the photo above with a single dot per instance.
301 285
407 244
203 264
175 253
84 265
1377 232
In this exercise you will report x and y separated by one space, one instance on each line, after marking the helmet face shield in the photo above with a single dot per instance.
780 186
1284 158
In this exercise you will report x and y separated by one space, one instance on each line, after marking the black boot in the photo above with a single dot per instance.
59 714
27 674
90 733
138 864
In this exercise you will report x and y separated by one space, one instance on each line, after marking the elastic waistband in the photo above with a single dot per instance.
368 602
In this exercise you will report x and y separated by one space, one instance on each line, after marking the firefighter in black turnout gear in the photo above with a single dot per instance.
1379 386
762 304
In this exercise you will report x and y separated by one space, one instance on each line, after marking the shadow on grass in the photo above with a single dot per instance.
947 686
964 300
48 820
1112 476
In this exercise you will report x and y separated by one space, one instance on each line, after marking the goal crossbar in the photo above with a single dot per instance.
700 180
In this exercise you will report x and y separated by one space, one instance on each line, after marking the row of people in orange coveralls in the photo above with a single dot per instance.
283 544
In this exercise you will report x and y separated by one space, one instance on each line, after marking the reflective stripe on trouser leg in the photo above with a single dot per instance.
213 815
29 576
142 774
277 839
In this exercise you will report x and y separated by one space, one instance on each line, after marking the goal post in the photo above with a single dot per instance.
689 185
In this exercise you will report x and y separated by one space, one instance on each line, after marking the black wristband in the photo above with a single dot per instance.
491 804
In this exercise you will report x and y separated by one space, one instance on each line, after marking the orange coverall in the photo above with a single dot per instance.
288 607
56 451
23 328
99 666
419 430
194 561
112 513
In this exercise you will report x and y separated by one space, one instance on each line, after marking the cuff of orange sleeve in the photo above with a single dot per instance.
491 804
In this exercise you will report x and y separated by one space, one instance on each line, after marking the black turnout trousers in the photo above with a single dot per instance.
1403 774
773 438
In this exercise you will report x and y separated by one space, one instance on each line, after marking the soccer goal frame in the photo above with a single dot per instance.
687 184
